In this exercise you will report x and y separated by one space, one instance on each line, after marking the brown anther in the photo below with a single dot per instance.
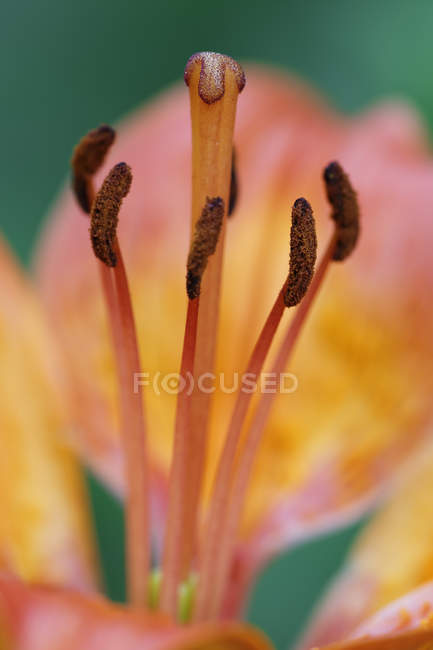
345 214
234 186
204 243
303 251
211 85
88 156
105 212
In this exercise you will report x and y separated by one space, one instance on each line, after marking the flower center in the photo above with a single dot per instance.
197 559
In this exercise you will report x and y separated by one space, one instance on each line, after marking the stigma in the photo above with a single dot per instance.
212 69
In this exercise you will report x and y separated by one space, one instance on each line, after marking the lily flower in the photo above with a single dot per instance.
246 473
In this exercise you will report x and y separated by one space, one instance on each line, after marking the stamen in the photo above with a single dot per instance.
240 479
181 524
105 212
204 243
180 530
88 156
339 245
104 219
214 84
303 247
342 197
234 186
303 250
221 488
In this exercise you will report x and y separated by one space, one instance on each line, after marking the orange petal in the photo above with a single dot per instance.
37 618
366 342
417 640
44 525
392 556
405 623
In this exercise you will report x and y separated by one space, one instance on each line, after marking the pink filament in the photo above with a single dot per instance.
122 325
217 570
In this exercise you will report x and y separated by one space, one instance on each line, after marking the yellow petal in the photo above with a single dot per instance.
418 640
404 624
404 527
392 556
44 526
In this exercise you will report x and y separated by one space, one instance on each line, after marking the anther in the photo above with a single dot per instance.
204 243
211 85
303 251
234 186
88 156
345 214
105 212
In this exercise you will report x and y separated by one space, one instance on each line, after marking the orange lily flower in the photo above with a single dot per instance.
331 446
327 450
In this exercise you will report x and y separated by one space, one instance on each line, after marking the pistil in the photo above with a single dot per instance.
215 82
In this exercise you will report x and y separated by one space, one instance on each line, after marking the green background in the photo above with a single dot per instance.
68 66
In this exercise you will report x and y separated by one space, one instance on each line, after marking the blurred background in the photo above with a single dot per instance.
67 66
